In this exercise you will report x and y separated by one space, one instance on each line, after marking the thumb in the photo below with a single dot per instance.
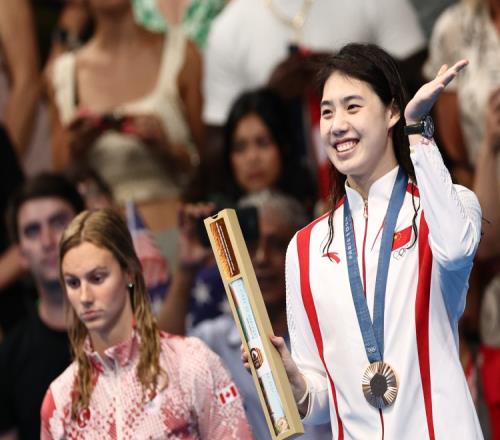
279 344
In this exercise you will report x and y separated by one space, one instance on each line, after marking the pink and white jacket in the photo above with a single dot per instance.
425 297
200 401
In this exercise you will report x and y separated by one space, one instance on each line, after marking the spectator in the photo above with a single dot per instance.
258 154
139 135
20 78
487 188
467 30
37 350
126 375
487 181
13 294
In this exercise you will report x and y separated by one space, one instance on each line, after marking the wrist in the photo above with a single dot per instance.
299 387
305 395
423 127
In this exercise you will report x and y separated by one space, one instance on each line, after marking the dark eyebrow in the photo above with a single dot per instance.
89 273
327 102
59 216
95 270
351 97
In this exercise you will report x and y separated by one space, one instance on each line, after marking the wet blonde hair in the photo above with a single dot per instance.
107 230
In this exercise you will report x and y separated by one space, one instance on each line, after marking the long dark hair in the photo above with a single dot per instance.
295 178
375 67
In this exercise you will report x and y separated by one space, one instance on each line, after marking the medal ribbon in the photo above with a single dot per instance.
373 333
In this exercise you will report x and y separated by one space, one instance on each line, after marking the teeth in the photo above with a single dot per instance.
344 146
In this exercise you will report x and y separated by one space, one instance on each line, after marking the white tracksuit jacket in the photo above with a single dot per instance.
426 290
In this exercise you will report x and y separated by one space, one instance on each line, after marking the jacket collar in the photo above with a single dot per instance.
117 356
379 192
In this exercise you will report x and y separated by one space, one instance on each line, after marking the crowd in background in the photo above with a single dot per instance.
171 112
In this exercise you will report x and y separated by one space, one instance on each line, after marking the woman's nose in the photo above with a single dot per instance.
86 296
339 123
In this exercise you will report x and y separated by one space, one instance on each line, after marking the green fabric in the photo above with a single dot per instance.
196 23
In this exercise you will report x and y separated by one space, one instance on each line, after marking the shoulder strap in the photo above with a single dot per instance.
64 83
174 54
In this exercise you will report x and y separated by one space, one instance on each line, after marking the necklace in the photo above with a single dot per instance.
296 22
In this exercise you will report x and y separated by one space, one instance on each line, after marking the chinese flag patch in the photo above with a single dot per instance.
228 394
401 238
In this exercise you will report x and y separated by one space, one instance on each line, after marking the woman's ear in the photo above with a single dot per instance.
394 114
129 279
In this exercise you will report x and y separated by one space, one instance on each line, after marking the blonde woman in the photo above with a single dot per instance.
128 380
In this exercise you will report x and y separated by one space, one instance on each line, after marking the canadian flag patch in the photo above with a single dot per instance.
227 394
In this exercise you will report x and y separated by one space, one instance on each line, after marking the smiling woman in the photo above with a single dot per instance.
128 380
373 308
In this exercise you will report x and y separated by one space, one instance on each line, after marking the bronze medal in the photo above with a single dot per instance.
380 385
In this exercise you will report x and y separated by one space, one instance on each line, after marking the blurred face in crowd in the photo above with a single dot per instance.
97 288
40 224
268 255
355 127
255 157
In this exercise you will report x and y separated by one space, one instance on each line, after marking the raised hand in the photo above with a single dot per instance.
191 254
426 96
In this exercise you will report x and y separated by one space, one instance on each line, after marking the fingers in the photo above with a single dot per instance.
244 358
459 65
279 343
443 69
446 75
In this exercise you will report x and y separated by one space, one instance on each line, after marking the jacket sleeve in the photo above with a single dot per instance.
47 412
304 349
453 215
452 211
